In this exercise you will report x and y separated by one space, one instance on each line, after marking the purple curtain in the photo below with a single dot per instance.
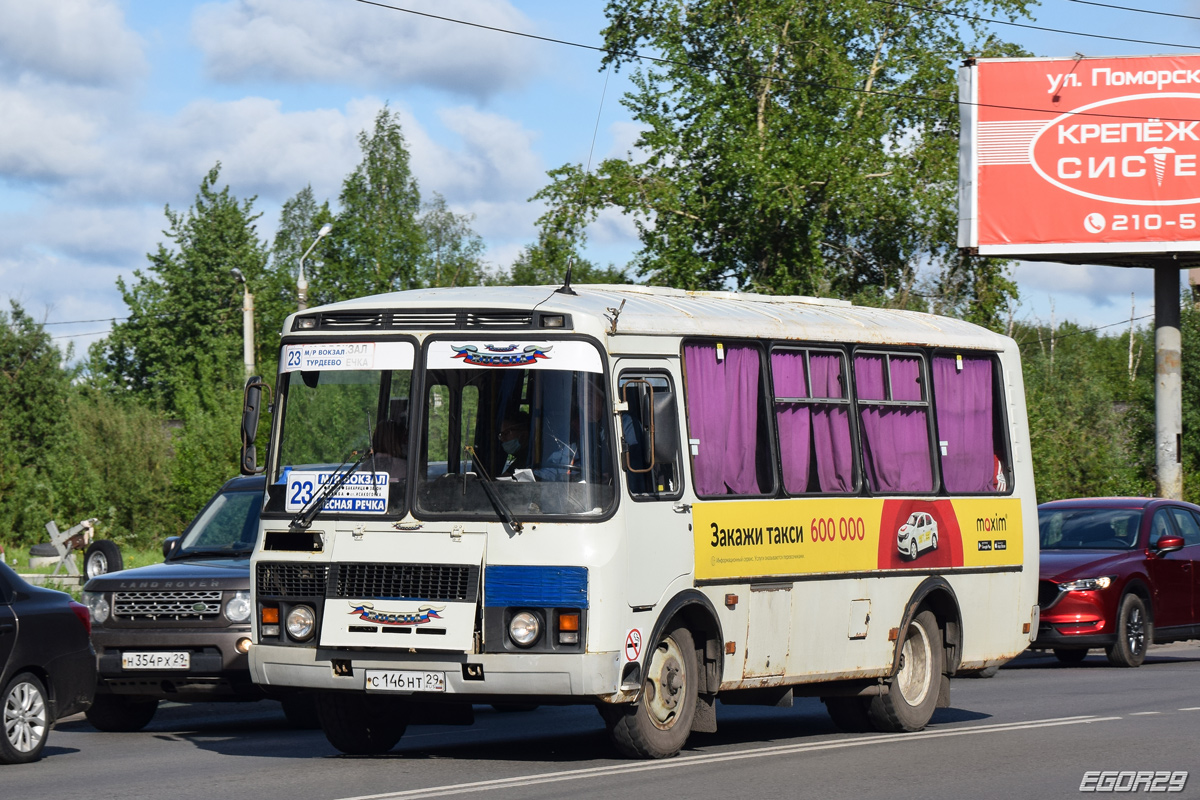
831 426
792 419
895 440
964 418
723 414
906 378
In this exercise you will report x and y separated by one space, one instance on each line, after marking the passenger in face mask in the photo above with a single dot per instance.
514 439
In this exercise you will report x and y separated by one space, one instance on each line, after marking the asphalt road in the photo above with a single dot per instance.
1030 732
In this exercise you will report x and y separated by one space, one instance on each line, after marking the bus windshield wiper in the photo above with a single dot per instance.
502 509
303 520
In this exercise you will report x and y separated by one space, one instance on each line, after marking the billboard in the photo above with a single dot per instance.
1077 157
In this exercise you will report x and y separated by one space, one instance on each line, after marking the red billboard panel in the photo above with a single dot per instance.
1080 156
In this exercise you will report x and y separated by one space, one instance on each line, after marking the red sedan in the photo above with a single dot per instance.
1117 573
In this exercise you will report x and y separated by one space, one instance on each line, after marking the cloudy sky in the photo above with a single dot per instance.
110 110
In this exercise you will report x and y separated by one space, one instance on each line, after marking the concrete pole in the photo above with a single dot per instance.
1168 384
248 330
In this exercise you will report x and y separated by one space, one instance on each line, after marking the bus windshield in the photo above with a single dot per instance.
330 418
542 437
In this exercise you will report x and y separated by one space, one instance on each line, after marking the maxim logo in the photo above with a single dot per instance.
1137 150
991 524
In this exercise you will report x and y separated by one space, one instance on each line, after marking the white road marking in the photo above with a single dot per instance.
737 755
1191 708
1143 713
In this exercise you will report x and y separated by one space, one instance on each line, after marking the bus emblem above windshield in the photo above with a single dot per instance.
470 355
366 611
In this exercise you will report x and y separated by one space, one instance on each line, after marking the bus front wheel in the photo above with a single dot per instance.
657 726
913 693
361 725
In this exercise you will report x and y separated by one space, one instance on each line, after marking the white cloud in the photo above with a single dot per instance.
76 41
1102 287
497 157
47 133
624 141
335 41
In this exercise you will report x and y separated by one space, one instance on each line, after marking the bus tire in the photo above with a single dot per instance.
657 726
849 714
360 725
913 692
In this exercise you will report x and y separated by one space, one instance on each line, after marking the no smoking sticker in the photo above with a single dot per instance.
633 644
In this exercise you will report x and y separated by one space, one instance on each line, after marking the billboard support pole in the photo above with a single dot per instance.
1168 384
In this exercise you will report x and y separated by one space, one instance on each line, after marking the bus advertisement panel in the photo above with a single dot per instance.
1080 155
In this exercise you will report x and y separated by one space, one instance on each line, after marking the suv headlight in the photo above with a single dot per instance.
238 607
97 603
1086 584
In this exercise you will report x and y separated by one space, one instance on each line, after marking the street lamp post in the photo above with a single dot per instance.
247 322
301 282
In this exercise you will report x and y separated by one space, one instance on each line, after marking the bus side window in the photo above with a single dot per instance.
972 435
649 436
728 430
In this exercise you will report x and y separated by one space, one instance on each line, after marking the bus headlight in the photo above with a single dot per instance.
238 607
301 622
524 628
97 604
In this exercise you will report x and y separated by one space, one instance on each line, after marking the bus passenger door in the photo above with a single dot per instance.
658 533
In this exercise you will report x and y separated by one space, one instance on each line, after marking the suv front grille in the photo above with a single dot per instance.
1047 594
413 581
204 605
289 579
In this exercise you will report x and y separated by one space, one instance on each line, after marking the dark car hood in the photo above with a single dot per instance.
207 573
1060 565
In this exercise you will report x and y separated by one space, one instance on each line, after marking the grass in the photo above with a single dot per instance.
18 559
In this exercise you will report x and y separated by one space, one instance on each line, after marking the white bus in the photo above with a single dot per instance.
639 498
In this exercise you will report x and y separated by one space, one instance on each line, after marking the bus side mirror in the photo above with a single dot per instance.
643 399
251 410
666 428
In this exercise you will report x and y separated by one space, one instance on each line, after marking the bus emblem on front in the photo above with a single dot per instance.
367 611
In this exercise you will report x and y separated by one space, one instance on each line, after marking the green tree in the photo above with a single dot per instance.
300 219
545 262
114 463
453 252
1087 415
377 243
787 147
34 389
185 318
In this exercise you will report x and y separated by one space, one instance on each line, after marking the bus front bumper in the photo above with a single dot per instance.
587 675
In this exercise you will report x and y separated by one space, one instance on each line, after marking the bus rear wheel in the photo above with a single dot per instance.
913 693
361 725
657 726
